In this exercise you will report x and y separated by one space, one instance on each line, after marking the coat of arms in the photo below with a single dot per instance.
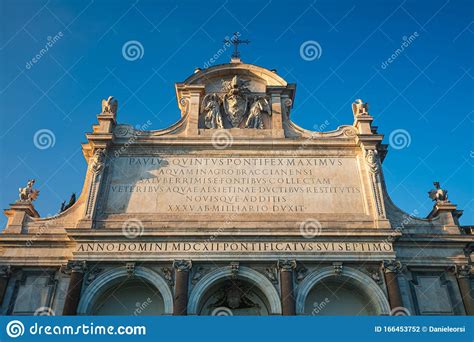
235 99
236 102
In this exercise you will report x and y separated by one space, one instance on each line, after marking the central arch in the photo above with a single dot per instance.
246 274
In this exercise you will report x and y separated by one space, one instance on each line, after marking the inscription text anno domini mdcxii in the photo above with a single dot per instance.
236 247
237 185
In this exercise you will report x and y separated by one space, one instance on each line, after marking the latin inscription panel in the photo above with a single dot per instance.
237 185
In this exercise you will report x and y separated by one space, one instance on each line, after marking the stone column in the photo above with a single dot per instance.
391 269
5 273
73 295
286 287
181 276
463 272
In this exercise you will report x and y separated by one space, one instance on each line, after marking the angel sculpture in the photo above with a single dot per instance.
212 110
28 193
360 108
255 118
110 105
438 194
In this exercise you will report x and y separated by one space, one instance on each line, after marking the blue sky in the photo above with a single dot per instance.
426 91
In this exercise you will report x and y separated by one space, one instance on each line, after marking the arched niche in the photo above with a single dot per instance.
146 292
263 290
349 293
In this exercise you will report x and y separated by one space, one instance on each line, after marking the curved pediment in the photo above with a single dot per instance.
259 76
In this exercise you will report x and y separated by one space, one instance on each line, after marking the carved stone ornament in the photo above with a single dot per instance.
372 159
392 266
236 103
286 265
236 99
76 266
197 275
182 265
28 194
272 274
301 273
375 275
168 275
212 111
5 271
110 105
234 269
463 271
259 106
338 268
360 108
92 274
130 266
98 161
438 195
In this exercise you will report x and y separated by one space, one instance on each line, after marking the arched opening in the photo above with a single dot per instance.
222 292
133 297
116 292
234 297
350 292
338 297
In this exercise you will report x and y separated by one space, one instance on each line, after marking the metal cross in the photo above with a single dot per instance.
236 41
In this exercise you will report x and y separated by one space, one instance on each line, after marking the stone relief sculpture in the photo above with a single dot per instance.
28 194
360 108
438 195
97 162
236 99
212 111
110 105
371 157
234 295
259 106
233 104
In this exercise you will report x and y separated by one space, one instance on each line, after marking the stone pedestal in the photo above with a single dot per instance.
286 287
448 216
73 295
16 215
391 270
180 303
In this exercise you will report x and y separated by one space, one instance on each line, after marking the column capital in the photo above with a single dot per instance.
182 265
73 266
462 271
391 266
286 265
